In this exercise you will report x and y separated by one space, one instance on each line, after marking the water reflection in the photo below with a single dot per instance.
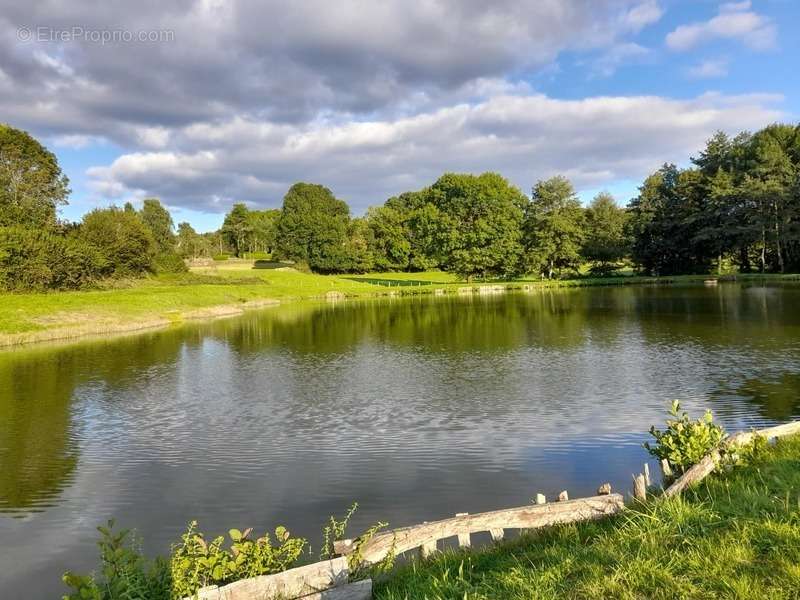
414 407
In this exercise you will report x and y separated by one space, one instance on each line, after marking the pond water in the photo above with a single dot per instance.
416 408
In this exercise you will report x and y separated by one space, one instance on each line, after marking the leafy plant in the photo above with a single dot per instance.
335 530
685 442
124 572
197 563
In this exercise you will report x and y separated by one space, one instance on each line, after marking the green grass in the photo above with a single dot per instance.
224 289
734 536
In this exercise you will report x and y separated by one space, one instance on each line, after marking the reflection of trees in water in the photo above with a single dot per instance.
551 318
777 399
39 444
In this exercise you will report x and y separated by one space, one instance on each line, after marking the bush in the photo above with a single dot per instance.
685 442
122 238
38 260
220 257
169 262
197 563
124 572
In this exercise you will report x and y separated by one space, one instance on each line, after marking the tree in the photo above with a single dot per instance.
189 243
389 241
159 221
261 237
32 186
122 239
313 228
605 243
554 228
236 228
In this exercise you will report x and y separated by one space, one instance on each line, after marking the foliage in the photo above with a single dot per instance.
554 228
236 228
32 186
169 262
159 222
685 442
605 243
480 220
41 259
122 238
313 227
124 572
197 563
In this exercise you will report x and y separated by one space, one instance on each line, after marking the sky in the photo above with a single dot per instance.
203 103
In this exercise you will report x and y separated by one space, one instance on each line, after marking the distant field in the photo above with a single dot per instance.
224 288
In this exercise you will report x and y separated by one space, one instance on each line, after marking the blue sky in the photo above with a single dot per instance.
236 101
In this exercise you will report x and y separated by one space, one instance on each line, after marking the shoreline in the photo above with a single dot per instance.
101 323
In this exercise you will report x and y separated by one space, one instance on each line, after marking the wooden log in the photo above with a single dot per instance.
563 496
357 590
293 583
647 475
540 499
639 487
343 547
524 517
497 534
694 474
604 489
666 470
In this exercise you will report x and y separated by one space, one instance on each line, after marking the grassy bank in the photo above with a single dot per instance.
223 290
734 536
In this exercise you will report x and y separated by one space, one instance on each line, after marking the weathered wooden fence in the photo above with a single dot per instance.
328 580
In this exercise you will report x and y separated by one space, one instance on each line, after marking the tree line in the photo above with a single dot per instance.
736 208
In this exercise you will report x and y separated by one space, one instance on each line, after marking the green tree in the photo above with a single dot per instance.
236 228
122 239
389 241
478 228
553 228
313 227
262 230
189 243
605 244
159 221
32 186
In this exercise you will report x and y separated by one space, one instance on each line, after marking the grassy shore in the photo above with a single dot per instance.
225 289
734 536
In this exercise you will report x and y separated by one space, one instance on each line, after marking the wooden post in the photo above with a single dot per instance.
540 499
647 475
639 487
428 548
604 490
463 538
666 470
563 496
497 534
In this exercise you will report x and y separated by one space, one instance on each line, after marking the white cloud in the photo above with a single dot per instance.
616 56
642 15
709 69
735 21
525 137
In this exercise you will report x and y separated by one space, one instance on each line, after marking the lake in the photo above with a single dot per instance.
417 408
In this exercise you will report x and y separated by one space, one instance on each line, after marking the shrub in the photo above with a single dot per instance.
169 262
122 238
685 442
38 260
220 257
197 563
124 572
